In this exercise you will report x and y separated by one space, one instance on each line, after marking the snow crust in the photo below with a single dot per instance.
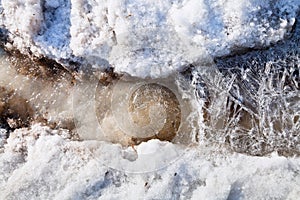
43 163
143 38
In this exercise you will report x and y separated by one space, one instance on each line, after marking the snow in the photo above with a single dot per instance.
141 38
2 138
50 166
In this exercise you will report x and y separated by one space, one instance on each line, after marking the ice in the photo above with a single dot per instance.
31 92
261 90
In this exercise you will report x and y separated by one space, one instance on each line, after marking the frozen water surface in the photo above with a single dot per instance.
174 123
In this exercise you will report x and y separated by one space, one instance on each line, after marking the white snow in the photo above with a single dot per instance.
42 163
143 38
2 138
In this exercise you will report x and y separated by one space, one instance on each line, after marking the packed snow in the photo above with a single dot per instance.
41 163
141 38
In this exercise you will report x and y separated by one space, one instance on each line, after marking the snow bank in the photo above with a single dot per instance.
42 163
142 38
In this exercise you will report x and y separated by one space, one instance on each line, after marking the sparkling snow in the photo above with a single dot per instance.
142 38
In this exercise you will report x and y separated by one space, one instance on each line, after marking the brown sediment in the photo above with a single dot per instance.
22 108
107 77
39 68
15 111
